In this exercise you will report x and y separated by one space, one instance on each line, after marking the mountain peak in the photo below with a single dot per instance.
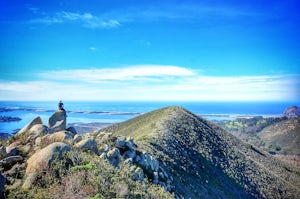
207 161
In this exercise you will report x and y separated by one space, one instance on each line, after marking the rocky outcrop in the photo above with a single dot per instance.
113 156
58 121
77 138
142 164
25 129
61 136
72 130
293 111
39 129
42 160
12 150
88 144
8 162
45 156
2 152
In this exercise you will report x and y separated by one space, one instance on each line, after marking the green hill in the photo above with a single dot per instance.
206 161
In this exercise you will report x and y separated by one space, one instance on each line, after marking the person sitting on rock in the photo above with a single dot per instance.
61 106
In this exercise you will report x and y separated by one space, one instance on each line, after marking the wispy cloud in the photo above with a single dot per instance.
93 48
183 12
152 82
132 73
85 19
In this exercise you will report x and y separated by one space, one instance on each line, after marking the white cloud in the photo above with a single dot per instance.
85 19
151 82
136 72
93 48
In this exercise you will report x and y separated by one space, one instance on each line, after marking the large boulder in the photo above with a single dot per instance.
37 130
26 128
58 121
41 160
113 156
88 144
45 156
61 136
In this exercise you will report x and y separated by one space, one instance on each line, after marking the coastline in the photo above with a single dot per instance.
87 114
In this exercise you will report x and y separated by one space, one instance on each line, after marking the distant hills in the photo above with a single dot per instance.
292 111
205 160
280 136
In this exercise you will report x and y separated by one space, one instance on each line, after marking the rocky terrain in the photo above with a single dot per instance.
167 153
206 161
52 161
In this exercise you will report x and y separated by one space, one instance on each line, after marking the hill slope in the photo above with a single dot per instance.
206 161
282 137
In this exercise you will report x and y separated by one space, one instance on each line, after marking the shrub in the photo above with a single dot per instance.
82 175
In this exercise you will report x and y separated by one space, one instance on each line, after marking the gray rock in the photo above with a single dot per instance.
45 156
39 129
59 126
12 151
125 144
104 148
113 156
35 131
120 142
77 138
129 154
35 121
61 136
58 121
2 152
29 181
130 145
88 144
155 177
72 130
105 136
16 171
138 173
129 161
147 162
8 162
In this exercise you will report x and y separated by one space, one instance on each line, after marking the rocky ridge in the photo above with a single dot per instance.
207 162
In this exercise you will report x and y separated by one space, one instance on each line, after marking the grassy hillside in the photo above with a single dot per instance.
206 161
278 136
282 137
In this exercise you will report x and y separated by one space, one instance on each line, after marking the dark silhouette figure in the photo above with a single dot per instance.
61 106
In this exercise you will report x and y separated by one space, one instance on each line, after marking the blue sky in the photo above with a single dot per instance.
150 50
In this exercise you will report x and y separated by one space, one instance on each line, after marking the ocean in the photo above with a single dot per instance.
113 112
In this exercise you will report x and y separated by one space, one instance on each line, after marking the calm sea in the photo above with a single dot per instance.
113 112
